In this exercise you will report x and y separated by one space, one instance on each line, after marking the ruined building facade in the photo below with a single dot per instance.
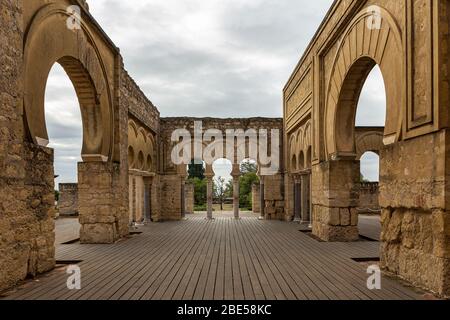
127 174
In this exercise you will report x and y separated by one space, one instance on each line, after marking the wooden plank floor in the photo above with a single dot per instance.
215 260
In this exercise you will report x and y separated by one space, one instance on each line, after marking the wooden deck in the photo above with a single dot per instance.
220 259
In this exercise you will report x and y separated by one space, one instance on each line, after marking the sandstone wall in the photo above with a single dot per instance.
142 111
415 220
138 104
369 193
273 196
68 199
101 192
335 197
170 186
26 172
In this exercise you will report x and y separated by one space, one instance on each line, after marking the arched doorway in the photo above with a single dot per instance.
64 123
299 189
196 198
47 41
250 187
223 186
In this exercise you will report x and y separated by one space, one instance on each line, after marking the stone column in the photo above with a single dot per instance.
134 199
335 199
209 196
236 174
101 191
310 201
148 194
297 199
236 196
262 201
183 198
305 199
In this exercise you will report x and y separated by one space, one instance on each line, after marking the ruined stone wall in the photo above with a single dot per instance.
142 111
369 193
415 220
274 197
26 172
68 199
171 181
256 205
138 104
168 125
170 186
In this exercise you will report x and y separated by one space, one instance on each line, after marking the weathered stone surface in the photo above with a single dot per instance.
320 106
99 232
102 215
68 199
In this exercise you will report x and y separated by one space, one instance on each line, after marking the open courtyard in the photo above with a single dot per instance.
126 126
222 259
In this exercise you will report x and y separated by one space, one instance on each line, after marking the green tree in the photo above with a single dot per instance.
245 189
199 191
248 166
220 190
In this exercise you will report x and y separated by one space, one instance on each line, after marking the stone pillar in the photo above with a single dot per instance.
236 174
262 199
148 200
134 200
183 198
297 199
335 199
236 196
256 193
306 198
100 192
209 196
310 201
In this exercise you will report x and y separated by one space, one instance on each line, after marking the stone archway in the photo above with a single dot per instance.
360 49
408 41
48 41
141 173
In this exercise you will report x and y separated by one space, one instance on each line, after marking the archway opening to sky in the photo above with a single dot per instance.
65 131
371 113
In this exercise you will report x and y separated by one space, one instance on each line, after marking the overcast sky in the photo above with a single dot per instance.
217 58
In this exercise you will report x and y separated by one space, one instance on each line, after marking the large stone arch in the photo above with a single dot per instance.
360 49
48 41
